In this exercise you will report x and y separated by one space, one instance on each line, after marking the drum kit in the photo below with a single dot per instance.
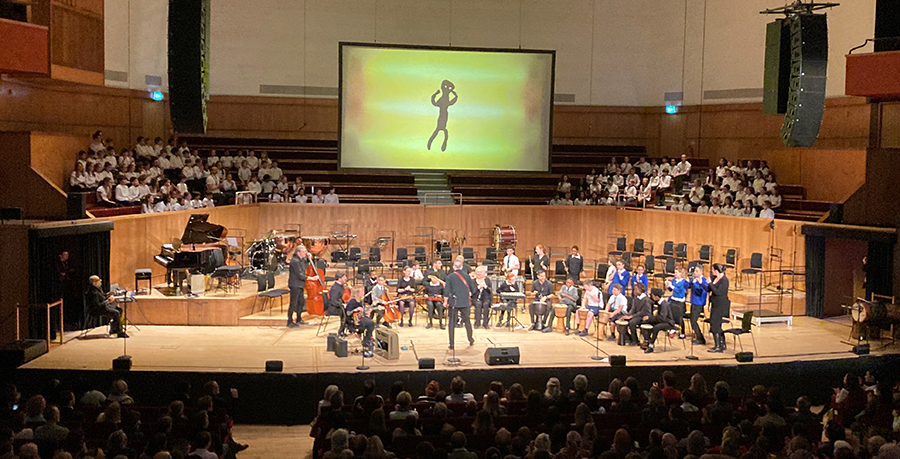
269 253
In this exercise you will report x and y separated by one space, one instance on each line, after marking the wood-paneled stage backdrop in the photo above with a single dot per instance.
136 239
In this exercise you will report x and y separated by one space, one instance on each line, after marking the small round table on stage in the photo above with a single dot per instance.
560 311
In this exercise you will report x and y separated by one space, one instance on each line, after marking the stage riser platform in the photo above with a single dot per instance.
284 398
191 311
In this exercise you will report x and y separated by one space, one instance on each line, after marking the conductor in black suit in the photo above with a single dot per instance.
296 283
719 307
458 297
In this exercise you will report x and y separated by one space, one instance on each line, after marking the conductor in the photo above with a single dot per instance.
458 297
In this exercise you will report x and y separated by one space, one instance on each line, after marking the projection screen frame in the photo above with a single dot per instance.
341 44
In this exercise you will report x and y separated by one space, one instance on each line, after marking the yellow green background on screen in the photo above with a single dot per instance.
500 121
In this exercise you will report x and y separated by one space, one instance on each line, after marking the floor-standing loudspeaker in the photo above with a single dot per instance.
809 65
188 64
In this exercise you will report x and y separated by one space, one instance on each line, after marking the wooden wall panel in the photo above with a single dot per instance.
46 106
23 187
53 156
76 35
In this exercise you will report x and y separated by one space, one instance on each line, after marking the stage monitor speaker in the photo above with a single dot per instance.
340 348
188 64
809 66
861 349
75 205
387 343
501 356
617 360
122 363
426 363
777 77
274 366
329 341
887 25
21 352
744 356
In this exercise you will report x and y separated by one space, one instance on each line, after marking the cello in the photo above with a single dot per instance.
390 309
315 303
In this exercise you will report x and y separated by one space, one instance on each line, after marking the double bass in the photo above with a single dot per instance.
315 302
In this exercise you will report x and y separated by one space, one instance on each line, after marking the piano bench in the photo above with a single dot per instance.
143 274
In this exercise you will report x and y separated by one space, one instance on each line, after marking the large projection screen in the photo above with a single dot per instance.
431 108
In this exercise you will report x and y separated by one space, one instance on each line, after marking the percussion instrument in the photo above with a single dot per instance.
539 308
512 296
315 244
582 318
504 237
622 332
559 311
496 282
263 255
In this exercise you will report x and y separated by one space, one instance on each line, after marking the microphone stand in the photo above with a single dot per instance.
597 349
362 366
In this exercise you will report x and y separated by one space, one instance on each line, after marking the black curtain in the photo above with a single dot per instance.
51 277
880 269
815 276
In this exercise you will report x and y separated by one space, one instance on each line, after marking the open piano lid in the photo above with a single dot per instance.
199 231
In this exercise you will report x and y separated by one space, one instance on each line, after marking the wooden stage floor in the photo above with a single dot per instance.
244 349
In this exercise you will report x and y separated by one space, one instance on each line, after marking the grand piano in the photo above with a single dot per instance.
200 250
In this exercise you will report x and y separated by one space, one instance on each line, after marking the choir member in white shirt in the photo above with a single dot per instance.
97 142
665 185
774 199
208 201
613 167
226 160
301 197
736 209
644 168
176 160
582 199
267 185
619 180
590 177
212 159
631 194
686 205
275 171
770 183
749 211
244 173
147 205
721 168
105 195
681 172
759 182
331 197
123 195
697 193
704 207
252 160
766 211
625 168
764 167
510 262
645 192
158 146
160 205
714 208
276 197
318 198
283 185
91 179
77 179
164 162
143 188
187 171
254 186
263 170
182 186
297 185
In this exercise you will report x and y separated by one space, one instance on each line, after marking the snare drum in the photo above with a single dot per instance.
504 237
316 245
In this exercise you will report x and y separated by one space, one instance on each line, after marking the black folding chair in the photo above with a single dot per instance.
756 265
746 329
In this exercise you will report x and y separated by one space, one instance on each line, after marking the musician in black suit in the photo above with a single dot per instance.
662 319
296 283
719 306
99 303
335 305
574 265
641 311
458 297
541 309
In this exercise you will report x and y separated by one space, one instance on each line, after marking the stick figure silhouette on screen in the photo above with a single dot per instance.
447 88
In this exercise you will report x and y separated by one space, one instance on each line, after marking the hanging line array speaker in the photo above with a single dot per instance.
188 64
